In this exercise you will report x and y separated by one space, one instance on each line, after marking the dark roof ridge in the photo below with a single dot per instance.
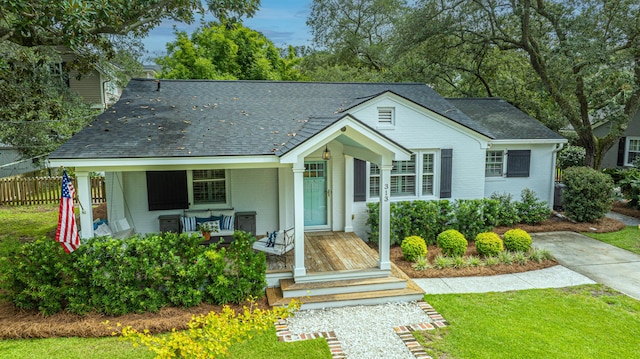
283 82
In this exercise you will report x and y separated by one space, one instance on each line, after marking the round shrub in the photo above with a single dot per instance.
517 240
452 243
587 195
413 247
489 244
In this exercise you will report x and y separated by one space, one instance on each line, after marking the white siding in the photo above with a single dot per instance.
417 129
251 190
541 172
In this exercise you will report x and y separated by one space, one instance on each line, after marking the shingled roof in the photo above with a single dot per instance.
196 118
505 121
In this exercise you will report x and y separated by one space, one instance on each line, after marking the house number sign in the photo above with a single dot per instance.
386 192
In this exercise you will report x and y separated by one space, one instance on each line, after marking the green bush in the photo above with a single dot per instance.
413 247
33 276
507 214
489 244
517 240
452 243
137 274
571 156
530 209
587 195
473 216
429 218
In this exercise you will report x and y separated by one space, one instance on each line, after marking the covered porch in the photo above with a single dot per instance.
342 269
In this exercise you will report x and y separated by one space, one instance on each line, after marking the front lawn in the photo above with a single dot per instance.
262 346
628 238
28 222
590 321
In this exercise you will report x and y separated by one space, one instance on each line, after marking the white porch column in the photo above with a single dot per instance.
299 269
348 193
384 223
84 196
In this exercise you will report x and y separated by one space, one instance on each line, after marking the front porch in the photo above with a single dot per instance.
329 252
341 270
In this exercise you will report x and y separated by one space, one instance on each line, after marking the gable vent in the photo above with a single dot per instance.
385 116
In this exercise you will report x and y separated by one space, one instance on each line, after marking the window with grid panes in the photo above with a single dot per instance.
209 186
428 172
633 150
494 164
403 179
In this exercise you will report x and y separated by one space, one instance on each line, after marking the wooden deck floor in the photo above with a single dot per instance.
329 252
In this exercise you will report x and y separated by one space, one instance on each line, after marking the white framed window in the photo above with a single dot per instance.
428 174
209 187
413 178
386 116
494 164
633 150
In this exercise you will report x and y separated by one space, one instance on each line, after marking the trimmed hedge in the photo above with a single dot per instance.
427 219
137 274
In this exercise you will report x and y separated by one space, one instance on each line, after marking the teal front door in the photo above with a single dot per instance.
315 193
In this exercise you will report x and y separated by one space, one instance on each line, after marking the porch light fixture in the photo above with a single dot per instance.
326 155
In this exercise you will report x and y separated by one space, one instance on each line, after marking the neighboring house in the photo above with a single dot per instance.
622 153
302 155
150 71
98 88
12 163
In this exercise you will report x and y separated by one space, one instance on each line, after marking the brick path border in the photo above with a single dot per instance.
406 335
404 332
284 335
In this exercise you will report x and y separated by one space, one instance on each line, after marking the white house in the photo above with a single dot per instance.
302 155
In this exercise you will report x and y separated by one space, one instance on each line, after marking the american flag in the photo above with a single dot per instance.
67 232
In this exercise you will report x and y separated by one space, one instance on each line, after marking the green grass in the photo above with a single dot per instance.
68 348
628 238
262 346
28 222
590 321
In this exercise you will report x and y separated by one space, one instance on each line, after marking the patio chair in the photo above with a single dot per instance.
276 244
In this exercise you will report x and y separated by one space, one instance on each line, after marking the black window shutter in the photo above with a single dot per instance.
359 180
518 162
167 190
446 169
622 144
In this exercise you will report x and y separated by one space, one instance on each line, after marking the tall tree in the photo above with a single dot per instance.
226 51
356 32
37 110
584 53
87 23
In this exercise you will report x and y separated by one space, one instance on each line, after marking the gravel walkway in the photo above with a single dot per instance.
363 331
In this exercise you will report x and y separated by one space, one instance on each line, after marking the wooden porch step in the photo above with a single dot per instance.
292 289
275 298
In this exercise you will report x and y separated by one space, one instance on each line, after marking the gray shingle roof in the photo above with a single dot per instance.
504 120
192 118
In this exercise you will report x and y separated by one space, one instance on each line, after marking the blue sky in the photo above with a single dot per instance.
281 21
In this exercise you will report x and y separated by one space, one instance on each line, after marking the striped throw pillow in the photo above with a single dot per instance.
227 222
188 224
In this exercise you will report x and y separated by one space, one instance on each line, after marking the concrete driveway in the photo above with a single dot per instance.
603 263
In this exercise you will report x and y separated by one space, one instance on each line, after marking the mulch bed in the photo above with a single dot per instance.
433 251
16 323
